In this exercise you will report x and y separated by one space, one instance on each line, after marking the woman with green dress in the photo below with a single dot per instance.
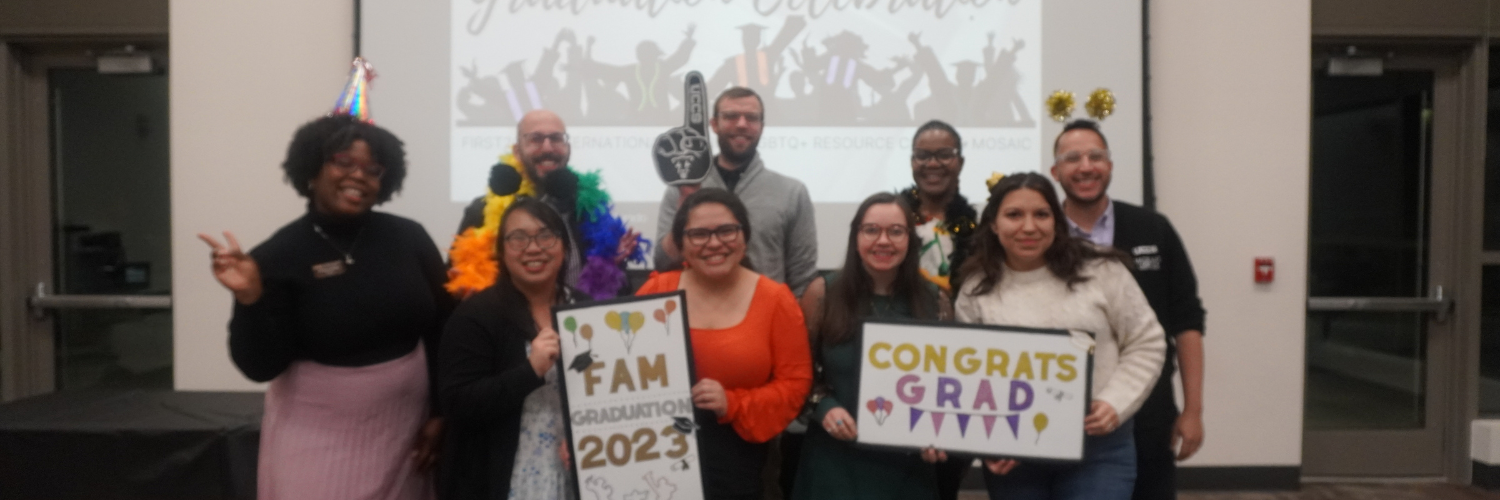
879 280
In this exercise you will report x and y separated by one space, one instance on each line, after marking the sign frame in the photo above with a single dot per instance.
574 466
1087 373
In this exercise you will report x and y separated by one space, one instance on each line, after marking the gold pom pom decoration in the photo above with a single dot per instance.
1060 105
1101 104
993 180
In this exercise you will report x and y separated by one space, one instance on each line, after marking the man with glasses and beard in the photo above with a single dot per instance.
1162 269
542 151
784 245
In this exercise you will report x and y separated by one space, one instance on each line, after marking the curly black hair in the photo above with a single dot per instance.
317 141
943 126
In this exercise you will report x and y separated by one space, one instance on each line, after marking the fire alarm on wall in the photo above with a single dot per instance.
1265 269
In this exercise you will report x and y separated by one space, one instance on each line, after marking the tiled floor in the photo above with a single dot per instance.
1333 492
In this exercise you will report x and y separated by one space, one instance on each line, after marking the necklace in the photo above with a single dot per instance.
348 258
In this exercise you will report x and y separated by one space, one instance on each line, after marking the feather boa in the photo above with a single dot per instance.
474 267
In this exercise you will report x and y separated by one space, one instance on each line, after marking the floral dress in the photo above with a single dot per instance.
539 470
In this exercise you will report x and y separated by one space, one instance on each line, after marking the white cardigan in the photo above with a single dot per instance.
1129 344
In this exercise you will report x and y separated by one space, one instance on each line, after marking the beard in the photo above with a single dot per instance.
737 158
529 163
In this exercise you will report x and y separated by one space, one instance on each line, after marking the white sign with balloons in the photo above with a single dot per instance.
627 385
986 390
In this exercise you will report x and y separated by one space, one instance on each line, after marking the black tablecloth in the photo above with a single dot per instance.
129 445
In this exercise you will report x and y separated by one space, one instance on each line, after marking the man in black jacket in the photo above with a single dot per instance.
1162 269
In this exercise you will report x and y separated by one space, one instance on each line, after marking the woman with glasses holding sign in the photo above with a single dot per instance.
880 279
1026 270
340 311
750 350
500 387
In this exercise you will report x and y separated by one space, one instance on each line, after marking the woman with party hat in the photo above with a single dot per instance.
340 310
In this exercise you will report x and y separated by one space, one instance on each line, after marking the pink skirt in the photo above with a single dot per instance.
334 432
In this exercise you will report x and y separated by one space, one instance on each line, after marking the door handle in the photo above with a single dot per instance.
40 301
1438 304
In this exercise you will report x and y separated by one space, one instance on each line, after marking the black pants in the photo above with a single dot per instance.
1156 465
731 466
950 475
791 456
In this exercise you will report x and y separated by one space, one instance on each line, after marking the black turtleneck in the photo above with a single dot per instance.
375 311
731 177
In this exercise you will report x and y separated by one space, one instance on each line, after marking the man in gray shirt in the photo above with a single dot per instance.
784 241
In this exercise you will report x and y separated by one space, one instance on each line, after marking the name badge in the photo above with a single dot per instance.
328 269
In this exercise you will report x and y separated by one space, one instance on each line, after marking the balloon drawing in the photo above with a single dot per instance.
880 408
665 312
627 323
582 361
1040 422
570 324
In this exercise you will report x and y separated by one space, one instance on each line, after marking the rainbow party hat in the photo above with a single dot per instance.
355 99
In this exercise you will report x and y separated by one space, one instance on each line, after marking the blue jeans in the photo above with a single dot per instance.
1107 472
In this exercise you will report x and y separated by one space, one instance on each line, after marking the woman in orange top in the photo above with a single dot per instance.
749 343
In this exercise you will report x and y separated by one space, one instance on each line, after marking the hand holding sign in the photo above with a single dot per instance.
840 425
682 153
708 394
544 350
1102 419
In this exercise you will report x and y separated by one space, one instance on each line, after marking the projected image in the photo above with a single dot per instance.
832 83
844 85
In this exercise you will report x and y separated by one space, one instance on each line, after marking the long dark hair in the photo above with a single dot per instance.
553 222
1065 258
719 196
848 298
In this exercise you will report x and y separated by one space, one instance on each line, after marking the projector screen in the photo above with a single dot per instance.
845 83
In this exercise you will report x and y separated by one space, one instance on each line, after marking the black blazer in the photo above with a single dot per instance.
1165 275
484 378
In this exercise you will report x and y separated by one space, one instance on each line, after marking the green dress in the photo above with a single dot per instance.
834 469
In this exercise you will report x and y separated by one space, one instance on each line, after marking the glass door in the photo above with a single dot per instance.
110 297
1378 293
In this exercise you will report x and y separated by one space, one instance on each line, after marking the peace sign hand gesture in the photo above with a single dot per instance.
234 269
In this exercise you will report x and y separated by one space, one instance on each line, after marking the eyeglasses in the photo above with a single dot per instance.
728 233
734 116
346 165
538 138
896 232
941 155
1073 157
518 240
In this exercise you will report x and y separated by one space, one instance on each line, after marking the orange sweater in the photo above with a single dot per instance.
763 363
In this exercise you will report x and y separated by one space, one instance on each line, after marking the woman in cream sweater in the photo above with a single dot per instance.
1026 270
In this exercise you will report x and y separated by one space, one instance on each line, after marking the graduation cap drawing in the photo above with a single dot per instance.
582 361
684 425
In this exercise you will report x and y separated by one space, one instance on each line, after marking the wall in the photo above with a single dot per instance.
1230 102
244 76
